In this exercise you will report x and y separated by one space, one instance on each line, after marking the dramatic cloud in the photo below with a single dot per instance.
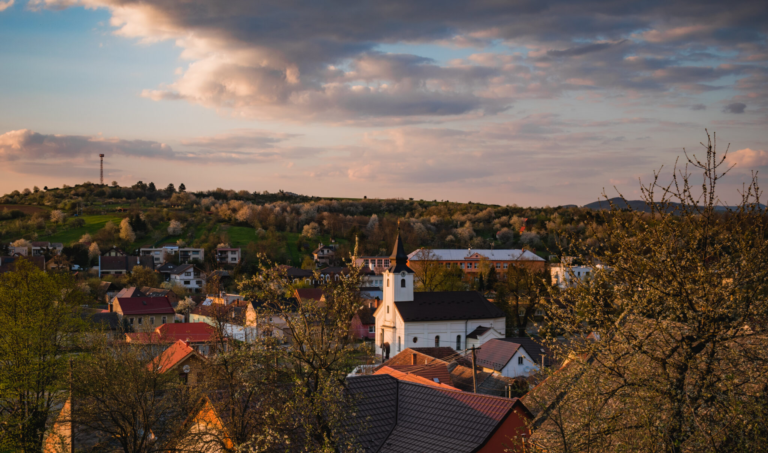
321 61
748 158
735 107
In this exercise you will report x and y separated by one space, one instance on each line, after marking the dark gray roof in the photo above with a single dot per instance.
405 417
108 321
399 258
166 268
478 332
447 305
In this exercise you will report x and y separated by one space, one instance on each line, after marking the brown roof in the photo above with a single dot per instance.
441 353
432 371
411 377
414 356
126 263
495 354
8 262
145 306
309 293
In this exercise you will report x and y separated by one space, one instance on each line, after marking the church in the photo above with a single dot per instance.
408 319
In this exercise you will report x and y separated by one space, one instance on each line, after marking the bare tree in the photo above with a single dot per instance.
667 344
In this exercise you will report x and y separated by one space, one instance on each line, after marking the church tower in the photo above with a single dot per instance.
398 279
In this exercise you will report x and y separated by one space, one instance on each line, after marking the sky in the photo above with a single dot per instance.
496 101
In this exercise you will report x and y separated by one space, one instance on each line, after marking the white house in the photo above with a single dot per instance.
189 276
408 319
186 254
564 275
513 357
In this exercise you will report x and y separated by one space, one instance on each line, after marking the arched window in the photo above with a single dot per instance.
437 341
387 308
402 283
398 344
458 342
387 282
415 339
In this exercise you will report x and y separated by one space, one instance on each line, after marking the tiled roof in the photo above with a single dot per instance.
402 375
408 417
535 349
309 293
145 306
479 331
413 356
167 267
491 254
194 332
172 356
495 354
295 272
125 263
130 292
181 268
438 353
430 372
8 262
447 305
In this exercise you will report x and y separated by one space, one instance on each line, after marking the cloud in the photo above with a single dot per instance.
749 158
735 107
322 61
25 149
5 5
698 107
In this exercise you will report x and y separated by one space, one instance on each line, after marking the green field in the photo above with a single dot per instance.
93 224
240 236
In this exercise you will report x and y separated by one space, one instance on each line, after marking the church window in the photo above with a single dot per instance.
402 283
458 342
387 308
387 282
398 344
437 341
415 339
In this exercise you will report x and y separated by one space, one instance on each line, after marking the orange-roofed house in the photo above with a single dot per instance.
180 359
199 335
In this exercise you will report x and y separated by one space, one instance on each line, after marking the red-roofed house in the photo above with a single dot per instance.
144 313
182 359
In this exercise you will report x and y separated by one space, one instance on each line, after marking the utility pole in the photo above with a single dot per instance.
474 367
71 412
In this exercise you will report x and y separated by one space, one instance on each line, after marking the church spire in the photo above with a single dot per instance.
399 258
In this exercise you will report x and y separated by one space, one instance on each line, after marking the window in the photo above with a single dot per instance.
199 283
140 320
461 265
371 329
151 320
187 274
402 283
415 339
498 265
458 342
437 341
521 312
387 282
165 319
539 312
365 262
387 308
186 282
506 265
195 253
399 347
520 360
130 321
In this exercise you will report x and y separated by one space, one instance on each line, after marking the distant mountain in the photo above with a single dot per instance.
639 205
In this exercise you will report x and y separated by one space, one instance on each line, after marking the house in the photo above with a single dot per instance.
324 254
160 254
144 313
480 335
189 276
267 324
377 264
180 359
363 325
402 416
114 251
417 319
296 274
121 265
198 335
513 357
565 275
403 375
160 292
40 248
470 261
103 321
227 255
7 262
231 318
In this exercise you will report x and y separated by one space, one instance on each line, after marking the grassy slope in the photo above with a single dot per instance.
93 224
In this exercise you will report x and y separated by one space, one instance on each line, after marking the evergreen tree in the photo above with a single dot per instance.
170 188
151 187
182 187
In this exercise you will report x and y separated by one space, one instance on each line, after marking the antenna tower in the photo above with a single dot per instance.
101 179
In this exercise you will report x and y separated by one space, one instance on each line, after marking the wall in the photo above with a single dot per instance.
509 435
514 370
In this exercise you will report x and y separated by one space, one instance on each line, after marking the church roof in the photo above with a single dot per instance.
447 306
399 257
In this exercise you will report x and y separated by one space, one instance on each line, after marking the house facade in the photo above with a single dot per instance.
189 276
424 319
225 255
323 254
144 313
186 254
120 265
472 261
